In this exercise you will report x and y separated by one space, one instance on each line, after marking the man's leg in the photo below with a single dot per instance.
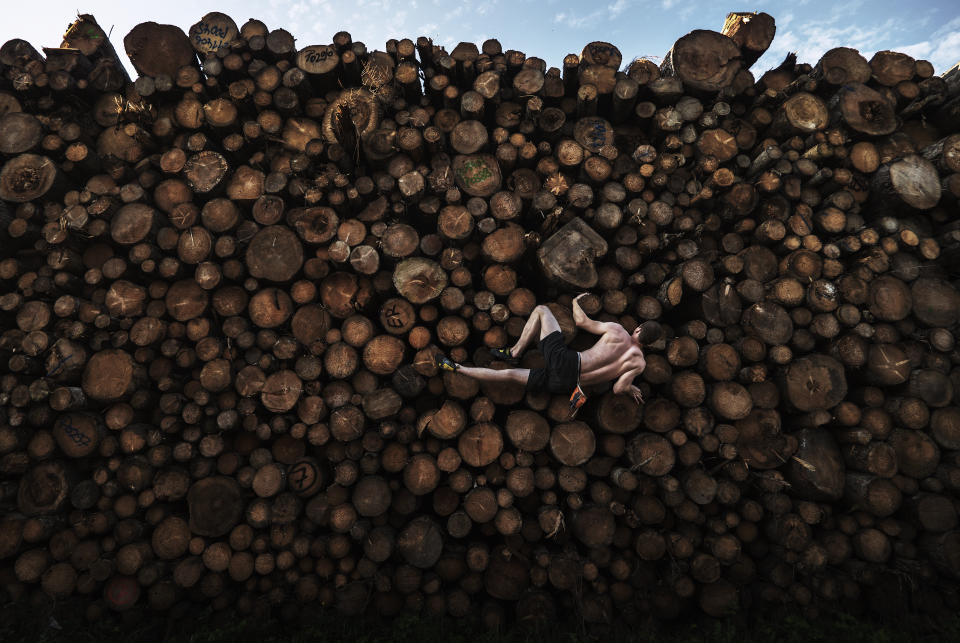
541 323
511 375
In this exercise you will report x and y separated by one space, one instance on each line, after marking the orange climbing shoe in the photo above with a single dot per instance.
577 399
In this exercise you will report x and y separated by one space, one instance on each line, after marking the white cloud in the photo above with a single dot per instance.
574 21
919 50
812 38
947 53
617 8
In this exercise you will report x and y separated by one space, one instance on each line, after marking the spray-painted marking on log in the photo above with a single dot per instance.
211 36
316 55
59 365
303 475
79 437
393 316
474 171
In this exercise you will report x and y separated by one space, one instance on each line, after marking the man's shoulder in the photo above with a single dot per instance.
615 330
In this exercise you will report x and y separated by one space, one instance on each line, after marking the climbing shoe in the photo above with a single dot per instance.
577 399
446 364
504 354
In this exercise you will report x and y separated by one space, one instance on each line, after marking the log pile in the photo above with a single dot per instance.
224 284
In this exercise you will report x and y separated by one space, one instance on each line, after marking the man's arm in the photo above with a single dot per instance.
581 320
625 381
624 384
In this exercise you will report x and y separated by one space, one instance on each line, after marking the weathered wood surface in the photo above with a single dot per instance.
223 286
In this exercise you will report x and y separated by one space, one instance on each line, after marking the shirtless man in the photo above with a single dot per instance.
618 355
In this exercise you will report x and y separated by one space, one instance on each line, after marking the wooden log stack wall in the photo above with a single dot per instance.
224 283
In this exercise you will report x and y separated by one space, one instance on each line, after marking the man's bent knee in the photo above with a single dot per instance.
548 323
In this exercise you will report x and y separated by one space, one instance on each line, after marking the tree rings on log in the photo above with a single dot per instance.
186 300
215 505
601 53
468 136
420 543
917 454
842 66
890 299
594 526
504 245
572 443
344 293
769 322
310 324
803 113
911 180
865 110
721 305
618 413
132 223
936 302
275 253
372 496
480 444
356 106
887 364
19 132
815 382
43 489
383 354
527 430
281 391
419 280
158 50
27 177
109 375
205 170
651 454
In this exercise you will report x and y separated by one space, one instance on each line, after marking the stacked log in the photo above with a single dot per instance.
225 283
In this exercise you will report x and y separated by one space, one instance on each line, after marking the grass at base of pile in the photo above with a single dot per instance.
65 623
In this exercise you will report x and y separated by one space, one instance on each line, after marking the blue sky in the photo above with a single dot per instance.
545 28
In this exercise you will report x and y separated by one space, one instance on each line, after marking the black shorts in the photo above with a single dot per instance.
562 372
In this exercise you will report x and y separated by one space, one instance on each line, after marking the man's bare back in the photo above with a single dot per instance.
614 354
617 355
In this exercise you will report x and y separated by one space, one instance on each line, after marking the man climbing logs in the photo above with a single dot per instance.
617 355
